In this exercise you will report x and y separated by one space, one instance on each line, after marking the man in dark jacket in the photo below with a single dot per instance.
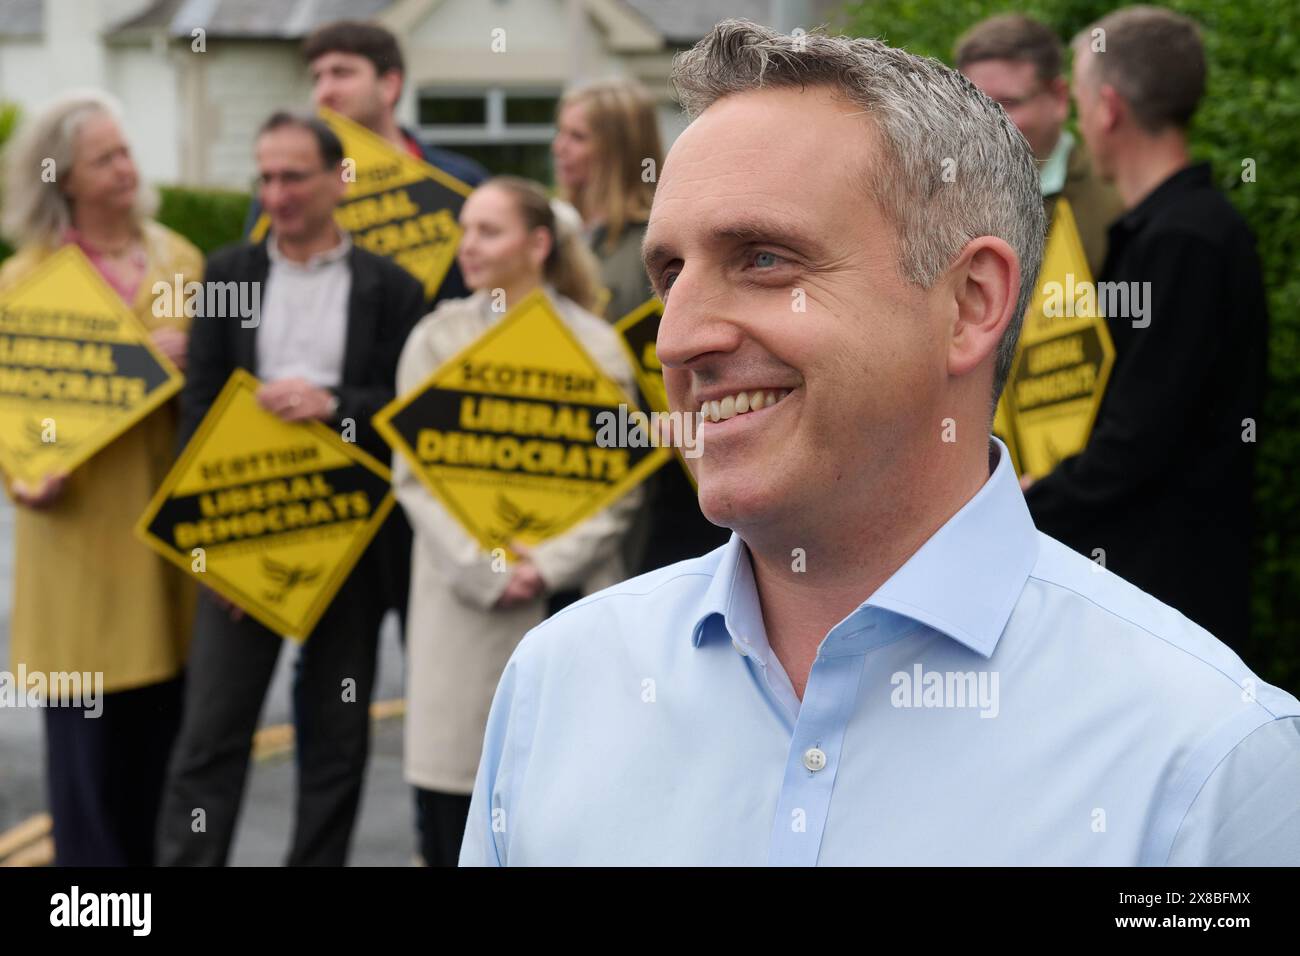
1016 61
331 325
357 70
1162 492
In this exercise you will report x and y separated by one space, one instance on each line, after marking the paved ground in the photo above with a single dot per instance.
385 831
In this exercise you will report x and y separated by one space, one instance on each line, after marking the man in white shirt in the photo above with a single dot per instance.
331 325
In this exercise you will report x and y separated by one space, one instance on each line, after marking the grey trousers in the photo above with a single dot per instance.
230 667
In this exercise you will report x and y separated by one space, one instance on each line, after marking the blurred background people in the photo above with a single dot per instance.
357 69
466 616
333 319
1164 485
88 596
1017 61
607 155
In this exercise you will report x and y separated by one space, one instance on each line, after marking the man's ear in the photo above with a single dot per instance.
1060 91
1112 106
338 183
986 284
390 85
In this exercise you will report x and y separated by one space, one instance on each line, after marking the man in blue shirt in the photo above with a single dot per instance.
887 663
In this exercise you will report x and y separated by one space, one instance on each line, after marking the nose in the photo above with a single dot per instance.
323 91
272 194
694 325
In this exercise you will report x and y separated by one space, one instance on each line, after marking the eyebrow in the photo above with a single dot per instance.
744 228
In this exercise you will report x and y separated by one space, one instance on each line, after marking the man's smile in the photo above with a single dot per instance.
746 402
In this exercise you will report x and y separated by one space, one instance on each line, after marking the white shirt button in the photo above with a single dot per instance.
814 759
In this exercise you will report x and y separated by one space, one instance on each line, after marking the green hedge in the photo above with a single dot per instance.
206 217
209 218
1251 110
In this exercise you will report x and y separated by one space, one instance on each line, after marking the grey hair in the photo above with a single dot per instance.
931 119
36 211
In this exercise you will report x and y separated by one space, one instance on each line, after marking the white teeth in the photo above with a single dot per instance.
718 410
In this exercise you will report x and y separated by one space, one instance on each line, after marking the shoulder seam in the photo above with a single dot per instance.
1173 839
1141 627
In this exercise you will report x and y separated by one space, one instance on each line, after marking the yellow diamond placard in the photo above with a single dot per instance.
271 514
77 368
396 206
519 434
639 330
1063 361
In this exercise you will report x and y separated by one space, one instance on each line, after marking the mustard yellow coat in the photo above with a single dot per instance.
88 595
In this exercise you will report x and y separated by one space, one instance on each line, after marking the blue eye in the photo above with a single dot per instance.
769 255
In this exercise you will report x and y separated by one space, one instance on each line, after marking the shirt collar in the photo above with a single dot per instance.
964 581
319 260
1051 178
1196 176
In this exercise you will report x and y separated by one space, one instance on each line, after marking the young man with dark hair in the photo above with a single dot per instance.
357 69
1164 486
332 322
1017 61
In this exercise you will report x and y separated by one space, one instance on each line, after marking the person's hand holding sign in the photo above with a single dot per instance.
296 400
39 496
173 343
525 580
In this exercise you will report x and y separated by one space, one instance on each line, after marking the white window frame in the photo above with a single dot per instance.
495 130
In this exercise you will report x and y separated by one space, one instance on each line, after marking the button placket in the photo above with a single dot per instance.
830 699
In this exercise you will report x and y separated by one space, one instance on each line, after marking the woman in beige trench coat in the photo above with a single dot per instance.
466 616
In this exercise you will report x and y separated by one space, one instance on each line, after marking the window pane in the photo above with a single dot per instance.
452 110
531 160
530 109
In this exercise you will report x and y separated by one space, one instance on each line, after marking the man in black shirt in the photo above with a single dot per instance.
1162 493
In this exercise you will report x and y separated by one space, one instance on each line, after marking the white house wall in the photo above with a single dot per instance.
230 90
143 77
452 46
25 76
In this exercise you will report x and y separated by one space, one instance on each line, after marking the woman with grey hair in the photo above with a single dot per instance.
88 597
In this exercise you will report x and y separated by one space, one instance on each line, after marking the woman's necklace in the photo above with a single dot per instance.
121 266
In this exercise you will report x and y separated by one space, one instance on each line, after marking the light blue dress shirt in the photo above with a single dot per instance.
999 700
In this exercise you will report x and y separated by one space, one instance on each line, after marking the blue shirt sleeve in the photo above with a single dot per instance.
1248 811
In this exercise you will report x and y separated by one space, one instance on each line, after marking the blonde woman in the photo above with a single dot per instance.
88 597
465 617
607 155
